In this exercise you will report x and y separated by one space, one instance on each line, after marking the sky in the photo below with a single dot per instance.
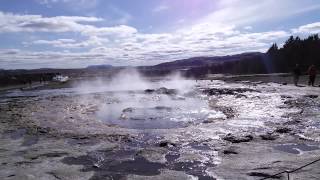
78 33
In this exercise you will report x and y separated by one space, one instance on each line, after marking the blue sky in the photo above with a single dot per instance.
78 33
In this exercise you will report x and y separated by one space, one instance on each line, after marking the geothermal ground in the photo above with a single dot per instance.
132 128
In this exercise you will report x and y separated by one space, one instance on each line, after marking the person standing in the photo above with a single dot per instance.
312 72
296 74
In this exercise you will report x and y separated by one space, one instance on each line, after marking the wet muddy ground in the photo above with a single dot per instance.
201 130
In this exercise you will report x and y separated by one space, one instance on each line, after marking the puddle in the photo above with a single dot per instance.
171 157
120 163
17 134
196 169
296 148
200 146
30 140
83 142
115 165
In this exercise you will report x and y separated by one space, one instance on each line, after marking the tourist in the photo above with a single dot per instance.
296 74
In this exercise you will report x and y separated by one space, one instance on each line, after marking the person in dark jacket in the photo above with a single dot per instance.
312 72
296 74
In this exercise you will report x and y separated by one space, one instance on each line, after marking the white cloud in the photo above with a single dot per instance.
37 23
308 28
115 31
70 43
59 41
239 12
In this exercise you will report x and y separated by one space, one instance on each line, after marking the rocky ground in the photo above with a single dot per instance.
210 130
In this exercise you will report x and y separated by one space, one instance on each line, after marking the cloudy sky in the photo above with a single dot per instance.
78 33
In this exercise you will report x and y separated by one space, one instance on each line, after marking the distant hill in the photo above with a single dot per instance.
244 63
103 66
204 61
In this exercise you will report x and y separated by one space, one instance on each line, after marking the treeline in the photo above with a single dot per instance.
276 60
295 51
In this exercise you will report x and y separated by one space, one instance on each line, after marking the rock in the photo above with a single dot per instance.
179 98
285 96
161 90
240 139
164 90
149 91
228 111
53 154
163 108
230 150
123 116
96 165
241 96
166 144
311 96
38 155
43 130
80 137
269 137
293 122
284 83
263 175
127 110
137 118
226 91
208 121
295 102
283 130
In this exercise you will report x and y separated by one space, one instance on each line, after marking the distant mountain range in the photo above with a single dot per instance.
103 66
203 61
201 66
